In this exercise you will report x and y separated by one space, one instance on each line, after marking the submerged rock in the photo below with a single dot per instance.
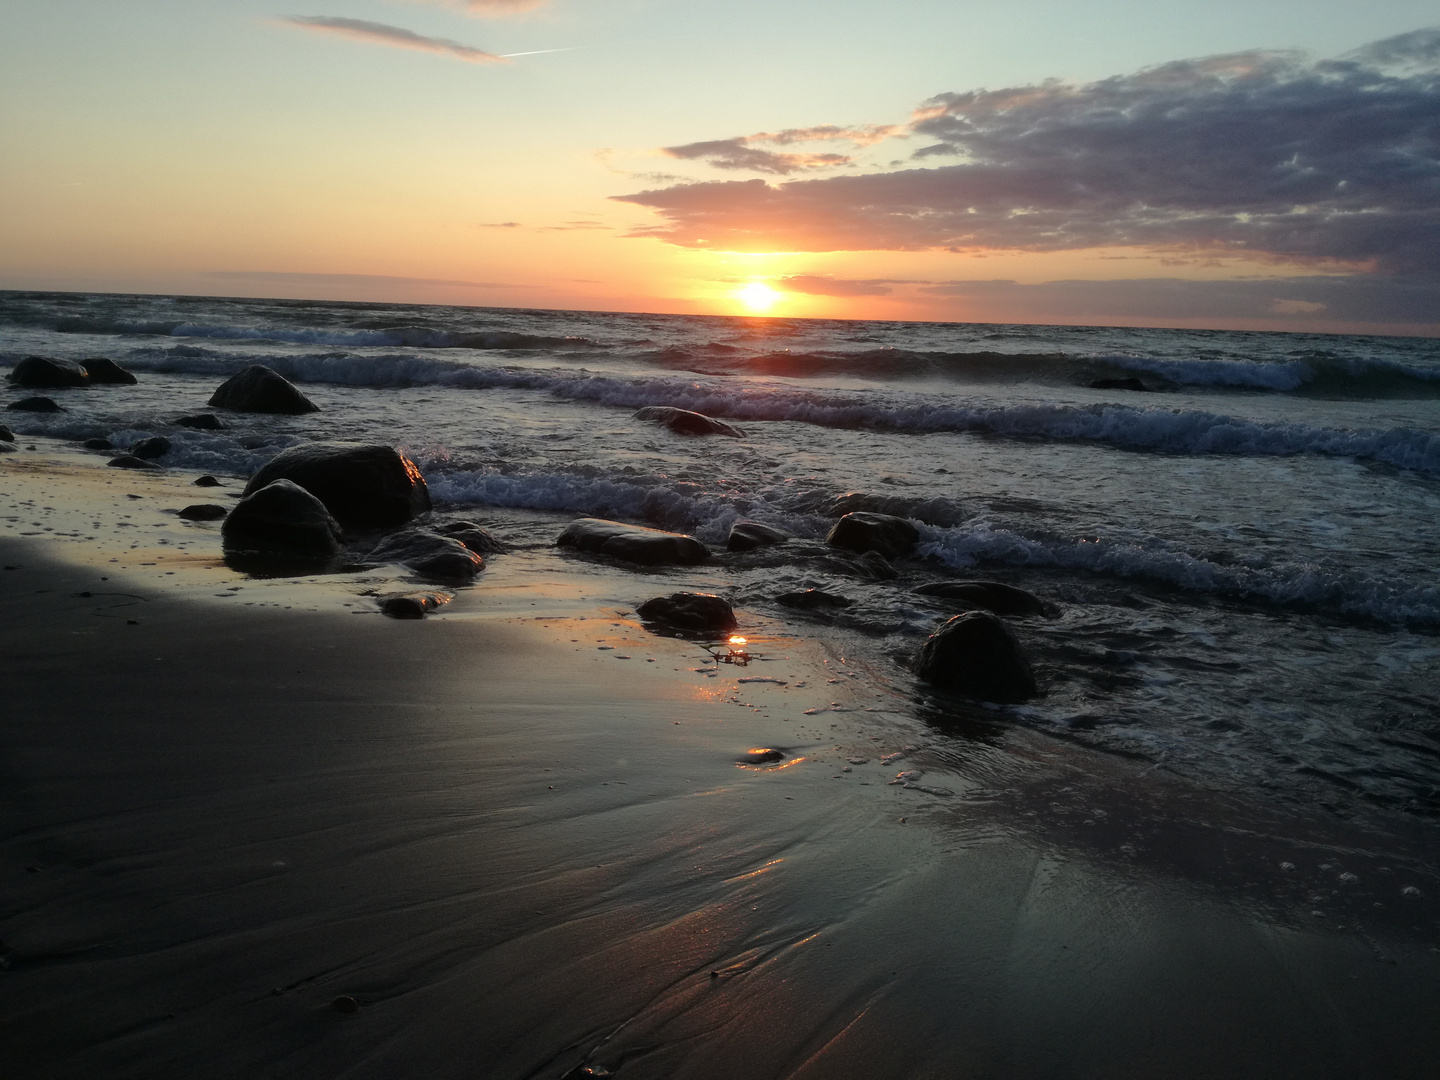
151 448
363 485
993 596
975 654
104 371
685 422
748 535
863 531
257 389
200 422
812 600
203 512
35 404
1118 384
206 481
43 373
98 444
474 537
282 517
696 612
633 543
130 461
414 605
430 554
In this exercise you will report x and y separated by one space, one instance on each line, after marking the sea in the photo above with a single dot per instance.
1238 532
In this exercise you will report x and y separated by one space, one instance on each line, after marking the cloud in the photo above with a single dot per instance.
492 8
824 285
738 154
288 277
1267 155
396 37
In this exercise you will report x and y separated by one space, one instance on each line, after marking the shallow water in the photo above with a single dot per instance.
1242 558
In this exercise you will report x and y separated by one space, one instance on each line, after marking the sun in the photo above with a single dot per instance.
757 296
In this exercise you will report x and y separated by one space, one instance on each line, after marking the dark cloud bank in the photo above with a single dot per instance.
1332 163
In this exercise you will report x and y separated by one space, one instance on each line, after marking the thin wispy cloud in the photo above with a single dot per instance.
747 152
1265 155
395 37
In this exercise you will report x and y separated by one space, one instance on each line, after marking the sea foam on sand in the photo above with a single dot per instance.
253 828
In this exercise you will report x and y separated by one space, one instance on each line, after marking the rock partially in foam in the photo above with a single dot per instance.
992 596
473 536
363 485
257 389
102 371
151 448
430 554
976 654
685 422
863 531
695 612
35 404
633 543
200 422
282 517
748 535
45 373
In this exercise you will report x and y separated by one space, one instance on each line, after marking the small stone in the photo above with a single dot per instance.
203 512
761 756
206 481
98 444
346 1004
130 461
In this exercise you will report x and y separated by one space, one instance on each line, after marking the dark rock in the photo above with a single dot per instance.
1118 384
991 595
975 654
685 422
254 442
747 535
98 444
282 517
472 536
633 543
876 567
8 448
346 1004
430 554
696 612
206 481
203 512
106 372
151 448
257 389
863 531
6 435
934 511
35 404
364 486
43 373
130 461
200 422
412 605
812 599
761 755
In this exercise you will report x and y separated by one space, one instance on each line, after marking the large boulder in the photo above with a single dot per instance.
430 554
364 485
748 535
696 612
633 543
45 373
104 371
975 654
863 531
685 422
35 404
257 389
282 517
993 596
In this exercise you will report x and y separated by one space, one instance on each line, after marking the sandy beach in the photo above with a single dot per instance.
254 828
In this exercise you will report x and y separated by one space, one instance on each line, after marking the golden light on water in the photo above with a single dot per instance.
757 296
737 640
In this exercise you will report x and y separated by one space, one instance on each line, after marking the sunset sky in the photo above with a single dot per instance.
1269 165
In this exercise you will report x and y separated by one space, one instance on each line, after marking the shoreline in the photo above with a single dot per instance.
517 834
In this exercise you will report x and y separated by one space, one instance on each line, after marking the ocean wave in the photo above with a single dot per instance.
1284 584
1133 427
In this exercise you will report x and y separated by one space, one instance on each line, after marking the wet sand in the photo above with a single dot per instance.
517 838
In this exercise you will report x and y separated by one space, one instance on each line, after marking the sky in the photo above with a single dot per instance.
1231 164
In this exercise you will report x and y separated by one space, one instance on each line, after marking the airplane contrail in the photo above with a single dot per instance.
537 52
